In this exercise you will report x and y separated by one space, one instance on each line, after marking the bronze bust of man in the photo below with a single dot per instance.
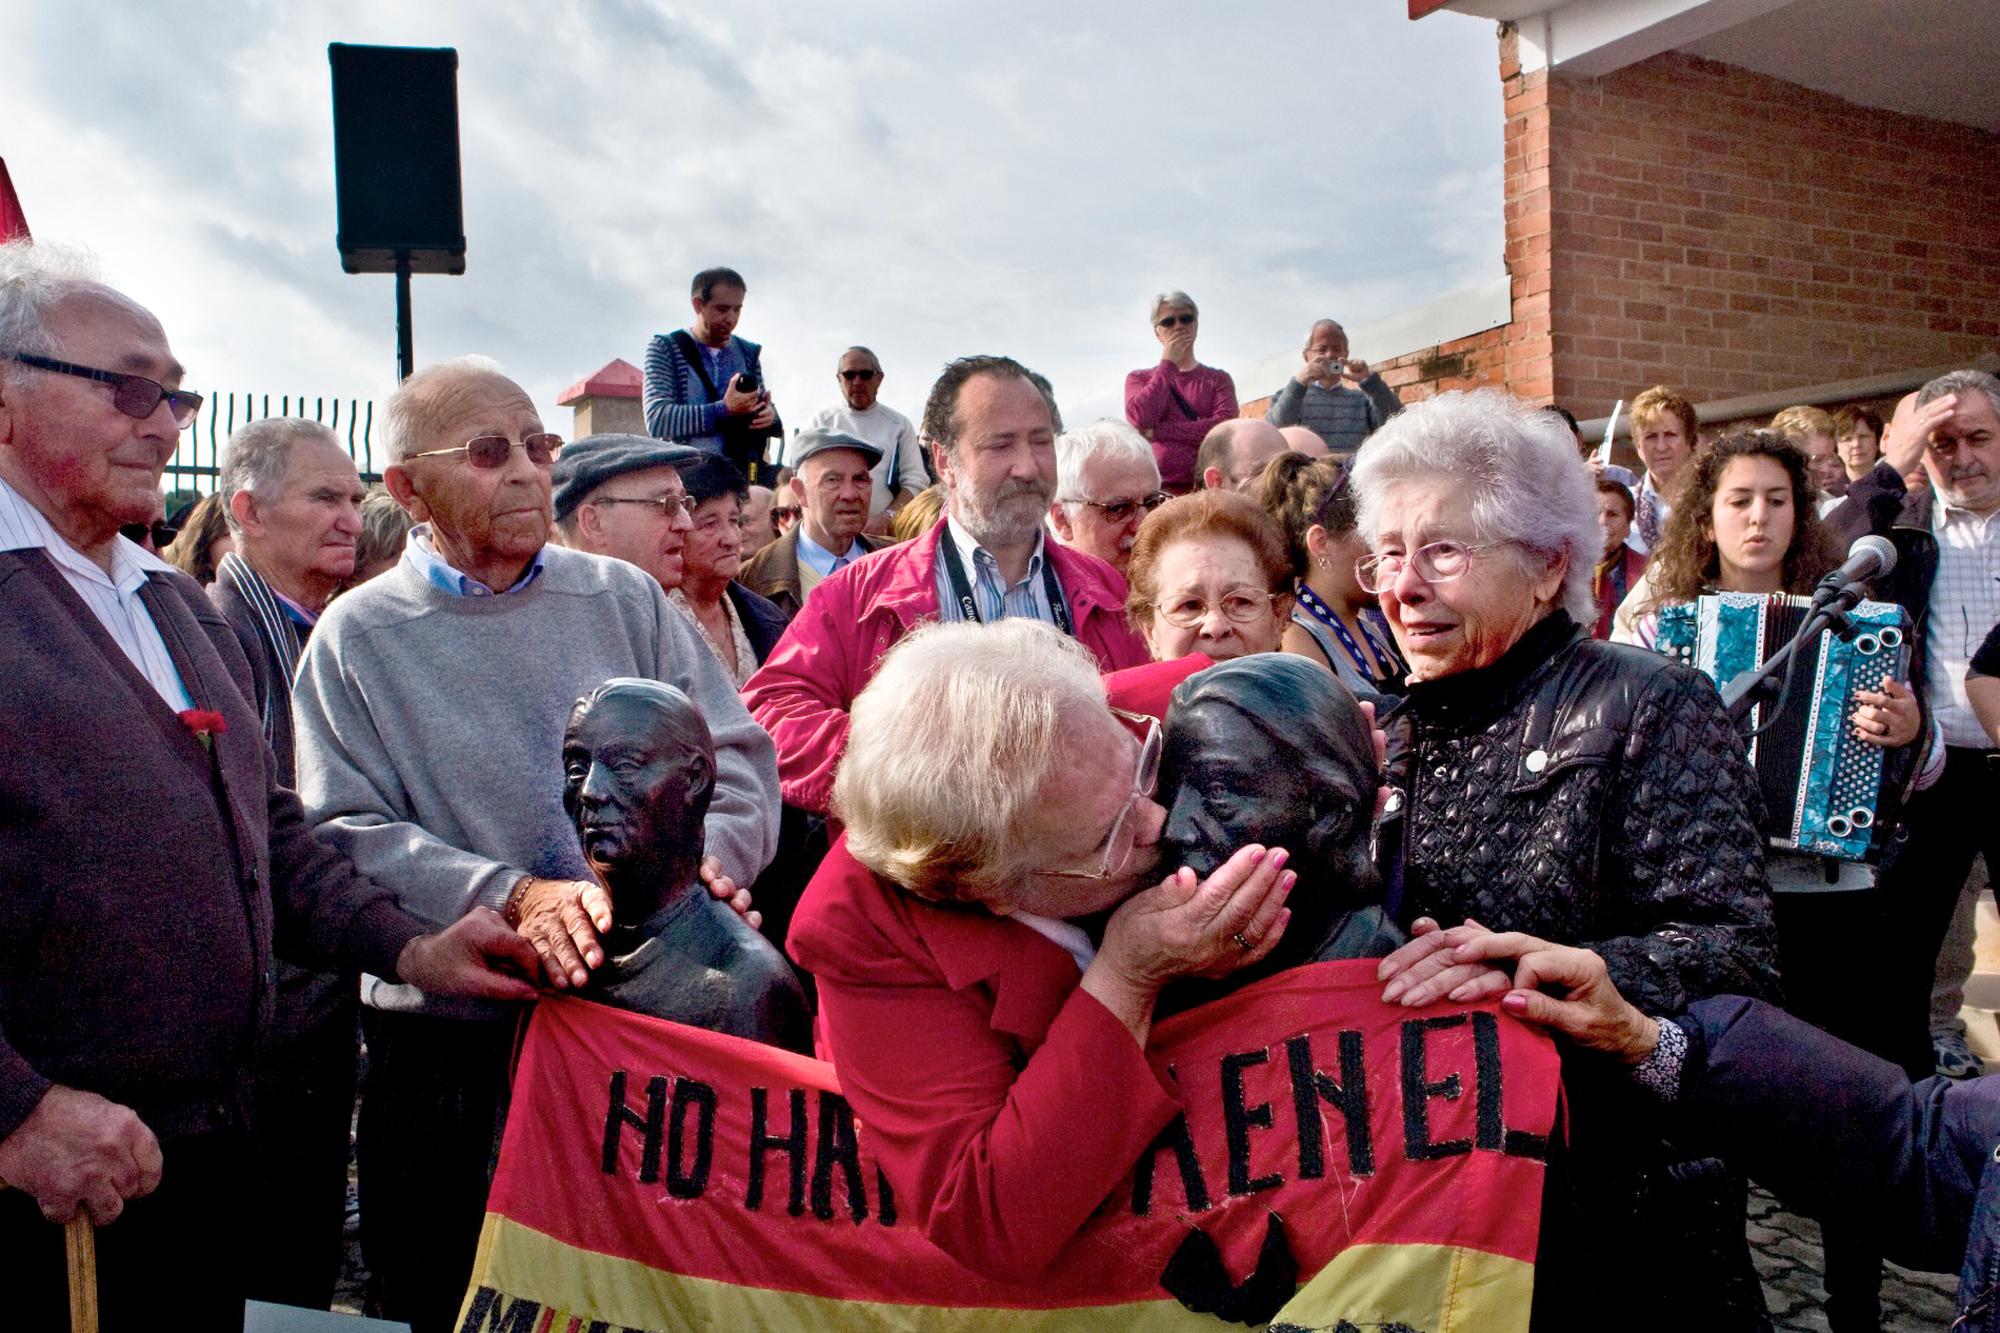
638 772
1272 749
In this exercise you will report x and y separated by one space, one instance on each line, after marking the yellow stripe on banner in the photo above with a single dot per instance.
1430 1287
1436 1289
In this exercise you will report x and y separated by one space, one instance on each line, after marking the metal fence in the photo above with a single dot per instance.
195 464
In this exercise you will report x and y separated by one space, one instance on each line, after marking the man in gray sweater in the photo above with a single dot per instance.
429 710
1319 396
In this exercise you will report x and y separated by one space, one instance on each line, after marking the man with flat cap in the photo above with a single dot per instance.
834 486
429 709
622 496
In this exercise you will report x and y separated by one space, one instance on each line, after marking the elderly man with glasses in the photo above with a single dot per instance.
150 854
430 708
1107 481
622 496
901 473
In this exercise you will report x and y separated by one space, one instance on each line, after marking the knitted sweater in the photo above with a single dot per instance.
1341 416
677 406
430 732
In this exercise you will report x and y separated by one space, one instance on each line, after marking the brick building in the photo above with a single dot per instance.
1760 201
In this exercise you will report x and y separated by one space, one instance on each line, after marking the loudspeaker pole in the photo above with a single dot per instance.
405 340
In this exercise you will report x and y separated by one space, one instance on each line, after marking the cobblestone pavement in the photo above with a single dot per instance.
1785 1248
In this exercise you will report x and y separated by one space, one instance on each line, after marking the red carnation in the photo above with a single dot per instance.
205 723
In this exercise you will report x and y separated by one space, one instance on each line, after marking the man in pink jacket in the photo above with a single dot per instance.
991 425
1177 402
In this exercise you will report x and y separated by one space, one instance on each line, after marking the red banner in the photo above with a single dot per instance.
1374 1166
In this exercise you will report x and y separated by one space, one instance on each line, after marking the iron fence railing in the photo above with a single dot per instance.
198 459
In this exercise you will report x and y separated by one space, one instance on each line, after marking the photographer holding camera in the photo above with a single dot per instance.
705 386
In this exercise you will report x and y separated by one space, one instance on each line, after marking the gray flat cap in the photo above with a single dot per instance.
809 442
593 460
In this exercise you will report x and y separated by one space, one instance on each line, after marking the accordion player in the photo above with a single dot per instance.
1822 786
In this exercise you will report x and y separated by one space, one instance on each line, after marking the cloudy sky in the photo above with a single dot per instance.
930 179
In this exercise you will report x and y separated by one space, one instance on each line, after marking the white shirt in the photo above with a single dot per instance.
902 465
113 598
1964 604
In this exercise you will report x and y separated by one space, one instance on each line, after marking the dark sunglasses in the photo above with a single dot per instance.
859 376
1169 321
162 533
1120 510
134 395
493 450
786 511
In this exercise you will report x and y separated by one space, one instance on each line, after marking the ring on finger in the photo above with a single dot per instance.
1241 943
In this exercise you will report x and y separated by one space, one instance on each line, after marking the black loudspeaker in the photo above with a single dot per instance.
395 158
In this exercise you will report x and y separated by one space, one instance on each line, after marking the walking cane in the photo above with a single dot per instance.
80 1245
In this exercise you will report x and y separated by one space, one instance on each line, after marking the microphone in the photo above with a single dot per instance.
1869 558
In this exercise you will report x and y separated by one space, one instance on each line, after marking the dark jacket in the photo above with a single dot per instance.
1591 794
774 571
270 666
148 878
1880 503
763 620
1839 1134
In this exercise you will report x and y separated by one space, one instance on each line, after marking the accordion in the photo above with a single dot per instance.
1821 783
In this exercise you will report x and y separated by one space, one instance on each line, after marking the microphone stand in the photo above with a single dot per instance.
1770 680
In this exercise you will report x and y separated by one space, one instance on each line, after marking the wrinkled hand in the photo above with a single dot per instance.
1427 969
1180 347
722 888
77 1150
1355 368
1909 431
1318 372
476 956
561 919
1889 718
1569 992
1185 927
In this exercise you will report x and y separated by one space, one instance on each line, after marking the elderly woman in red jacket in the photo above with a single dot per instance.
993 1048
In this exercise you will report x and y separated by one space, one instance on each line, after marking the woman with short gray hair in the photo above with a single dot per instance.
1177 402
997 1053
1578 792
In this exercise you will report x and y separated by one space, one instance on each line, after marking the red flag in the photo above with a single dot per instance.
657 1177
13 222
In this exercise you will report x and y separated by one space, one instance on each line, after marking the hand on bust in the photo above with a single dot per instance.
722 888
1427 969
476 956
77 1150
1211 927
1568 991
561 919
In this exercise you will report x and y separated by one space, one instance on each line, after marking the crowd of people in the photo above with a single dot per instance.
1014 737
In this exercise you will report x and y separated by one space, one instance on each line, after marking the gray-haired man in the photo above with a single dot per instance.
1107 481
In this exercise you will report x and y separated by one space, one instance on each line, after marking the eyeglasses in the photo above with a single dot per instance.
134 395
488 451
665 504
1242 606
859 376
162 533
1435 562
1120 510
781 512
1168 321
1124 831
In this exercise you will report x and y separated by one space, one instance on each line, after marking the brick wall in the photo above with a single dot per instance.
1731 234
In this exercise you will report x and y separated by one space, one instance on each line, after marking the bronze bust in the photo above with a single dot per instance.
638 772
1272 749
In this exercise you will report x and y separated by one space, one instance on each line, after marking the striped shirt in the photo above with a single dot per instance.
1028 598
113 598
1964 605
677 407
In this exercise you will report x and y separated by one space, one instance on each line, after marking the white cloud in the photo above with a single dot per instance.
930 181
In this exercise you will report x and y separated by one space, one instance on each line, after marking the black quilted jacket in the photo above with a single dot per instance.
1590 794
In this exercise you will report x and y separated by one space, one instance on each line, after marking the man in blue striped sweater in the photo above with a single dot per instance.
704 385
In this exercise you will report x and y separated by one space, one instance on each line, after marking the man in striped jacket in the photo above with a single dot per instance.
705 385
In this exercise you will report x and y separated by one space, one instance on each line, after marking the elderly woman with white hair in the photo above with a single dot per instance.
994 1047
1176 403
1107 481
1582 793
